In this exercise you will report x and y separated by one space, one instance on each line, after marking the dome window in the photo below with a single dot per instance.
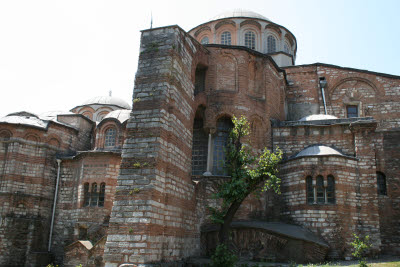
286 49
271 43
226 38
205 40
110 137
250 40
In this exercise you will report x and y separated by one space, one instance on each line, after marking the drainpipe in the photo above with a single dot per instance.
322 83
54 203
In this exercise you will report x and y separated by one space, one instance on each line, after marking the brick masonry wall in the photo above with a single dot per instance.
74 218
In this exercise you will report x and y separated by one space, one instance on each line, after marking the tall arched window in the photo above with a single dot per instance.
86 195
310 190
110 137
381 180
286 48
205 40
94 195
102 194
271 44
250 40
199 148
226 38
330 190
224 126
320 190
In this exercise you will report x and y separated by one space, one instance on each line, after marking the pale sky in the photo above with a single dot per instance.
55 54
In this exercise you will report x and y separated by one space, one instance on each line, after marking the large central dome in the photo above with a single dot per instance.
239 13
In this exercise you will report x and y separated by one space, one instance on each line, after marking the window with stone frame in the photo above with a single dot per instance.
110 137
309 190
224 126
205 40
381 183
199 148
271 44
352 111
320 191
226 38
250 40
94 196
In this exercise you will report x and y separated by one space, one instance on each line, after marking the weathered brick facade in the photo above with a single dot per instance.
126 191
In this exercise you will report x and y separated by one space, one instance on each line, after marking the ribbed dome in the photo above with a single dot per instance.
240 13
120 114
107 100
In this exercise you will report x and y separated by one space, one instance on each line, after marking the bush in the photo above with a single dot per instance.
360 248
223 257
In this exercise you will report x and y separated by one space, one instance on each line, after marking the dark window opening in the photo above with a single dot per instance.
86 195
224 126
95 197
330 190
381 180
82 233
310 190
320 190
102 194
352 111
200 80
199 148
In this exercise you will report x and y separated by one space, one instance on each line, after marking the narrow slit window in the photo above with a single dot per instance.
381 180
320 190
102 194
199 148
226 38
250 40
330 190
271 43
86 195
224 126
110 137
94 195
310 190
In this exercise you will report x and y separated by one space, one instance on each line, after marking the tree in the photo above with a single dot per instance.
248 172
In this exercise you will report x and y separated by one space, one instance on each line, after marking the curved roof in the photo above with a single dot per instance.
107 100
120 114
239 13
52 115
318 117
318 150
24 120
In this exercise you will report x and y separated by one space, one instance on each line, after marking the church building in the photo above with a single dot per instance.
111 183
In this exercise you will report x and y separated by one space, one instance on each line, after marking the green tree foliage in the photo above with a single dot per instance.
248 171
360 247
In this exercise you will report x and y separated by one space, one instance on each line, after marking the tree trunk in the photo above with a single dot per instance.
226 226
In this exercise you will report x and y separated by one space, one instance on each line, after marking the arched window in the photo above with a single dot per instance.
250 40
330 190
271 44
381 180
320 190
226 38
310 190
224 126
199 148
102 194
200 80
110 137
286 48
94 195
86 195
205 40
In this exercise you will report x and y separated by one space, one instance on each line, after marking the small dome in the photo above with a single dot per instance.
240 13
318 150
107 100
318 117
25 114
120 114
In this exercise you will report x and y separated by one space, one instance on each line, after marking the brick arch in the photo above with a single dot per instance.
251 22
101 131
54 142
223 23
274 28
5 134
227 72
32 137
212 115
85 109
202 29
350 79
